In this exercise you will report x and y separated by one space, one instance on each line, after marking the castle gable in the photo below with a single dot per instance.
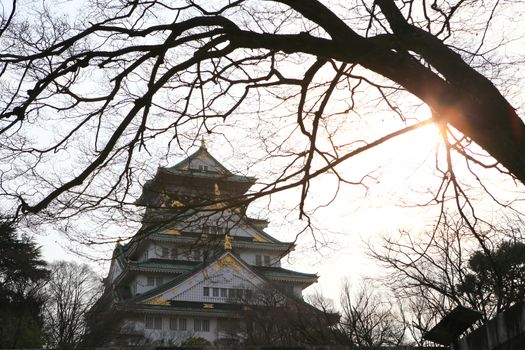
224 280
201 161
227 221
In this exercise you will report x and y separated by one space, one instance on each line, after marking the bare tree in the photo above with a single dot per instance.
371 319
435 271
270 316
72 290
107 88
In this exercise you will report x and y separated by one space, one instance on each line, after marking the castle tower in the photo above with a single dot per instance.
197 261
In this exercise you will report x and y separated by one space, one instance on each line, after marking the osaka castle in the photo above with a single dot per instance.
196 265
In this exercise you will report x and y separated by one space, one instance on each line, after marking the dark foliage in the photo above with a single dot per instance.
22 274
507 264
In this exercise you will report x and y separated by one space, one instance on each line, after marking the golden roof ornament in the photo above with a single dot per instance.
227 242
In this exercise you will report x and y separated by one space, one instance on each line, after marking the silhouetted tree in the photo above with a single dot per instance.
370 319
270 316
71 291
133 73
22 276
507 261
437 270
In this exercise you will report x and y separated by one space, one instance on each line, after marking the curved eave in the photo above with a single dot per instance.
278 246
304 281
121 277
208 175
120 258
167 266
283 246
119 255
281 274
175 271
168 309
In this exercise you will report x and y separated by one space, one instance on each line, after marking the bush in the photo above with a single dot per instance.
195 341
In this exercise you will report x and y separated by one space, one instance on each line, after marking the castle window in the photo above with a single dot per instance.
239 293
197 325
151 322
231 293
182 324
266 260
224 292
159 281
173 323
205 325
158 322
151 281
196 255
258 260
206 291
148 321
215 292
174 253
214 230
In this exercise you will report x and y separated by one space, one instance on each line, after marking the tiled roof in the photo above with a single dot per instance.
209 175
159 229
280 273
152 292
119 255
190 310
237 240
202 152
178 266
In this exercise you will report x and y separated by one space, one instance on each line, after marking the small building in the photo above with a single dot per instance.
196 265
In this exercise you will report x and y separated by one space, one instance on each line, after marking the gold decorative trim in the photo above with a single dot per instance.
228 261
159 300
259 238
171 231
228 242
